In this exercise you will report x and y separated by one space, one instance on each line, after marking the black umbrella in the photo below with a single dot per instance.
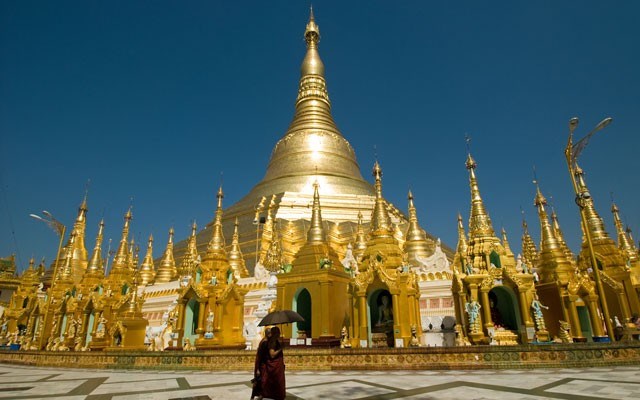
281 317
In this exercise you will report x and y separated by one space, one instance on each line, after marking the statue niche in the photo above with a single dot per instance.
382 319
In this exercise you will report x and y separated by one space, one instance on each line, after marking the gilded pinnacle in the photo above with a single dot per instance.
316 234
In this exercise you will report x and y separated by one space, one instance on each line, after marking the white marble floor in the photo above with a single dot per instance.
20 382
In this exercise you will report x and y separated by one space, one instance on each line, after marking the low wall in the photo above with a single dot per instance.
472 357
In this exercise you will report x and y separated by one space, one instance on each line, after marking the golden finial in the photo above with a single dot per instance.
361 238
96 265
380 221
122 254
147 269
624 243
66 273
560 236
479 220
236 259
316 234
312 32
529 250
416 240
216 244
167 270
190 258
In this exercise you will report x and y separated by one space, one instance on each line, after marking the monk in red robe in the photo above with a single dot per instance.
262 356
272 372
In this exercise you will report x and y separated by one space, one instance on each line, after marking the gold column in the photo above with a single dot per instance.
362 309
324 314
624 305
596 321
576 328
486 308
202 305
524 310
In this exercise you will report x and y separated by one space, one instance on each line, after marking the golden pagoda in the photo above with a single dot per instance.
627 247
622 297
494 301
570 297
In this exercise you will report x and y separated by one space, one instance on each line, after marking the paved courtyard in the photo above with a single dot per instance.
19 382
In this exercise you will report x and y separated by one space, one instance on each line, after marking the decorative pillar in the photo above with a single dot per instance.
596 321
574 319
362 310
486 308
202 305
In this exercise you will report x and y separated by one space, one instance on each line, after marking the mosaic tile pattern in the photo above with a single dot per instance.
21 382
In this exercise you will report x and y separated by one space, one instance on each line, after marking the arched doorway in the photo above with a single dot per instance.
380 316
302 305
585 321
191 320
504 308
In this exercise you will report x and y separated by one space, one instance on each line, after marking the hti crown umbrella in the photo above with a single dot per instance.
281 317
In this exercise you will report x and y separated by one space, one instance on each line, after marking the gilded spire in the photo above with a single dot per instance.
120 261
529 250
380 221
594 222
624 242
553 262
96 265
479 221
505 242
66 273
560 236
167 270
190 258
147 270
415 240
361 238
236 260
461 247
216 244
316 233
78 251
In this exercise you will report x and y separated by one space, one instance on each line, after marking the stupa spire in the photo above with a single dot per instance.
529 250
79 255
479 220
505 242
624 242
120 261
216 244
167 270
380 221
96 264
461 247
595 224
361 238
316 233
190 258
560 235
236 259
415 240
147 269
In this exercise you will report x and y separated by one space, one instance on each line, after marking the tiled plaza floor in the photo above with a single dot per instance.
19 382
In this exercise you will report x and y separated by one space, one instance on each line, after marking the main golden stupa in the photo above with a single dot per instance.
311 150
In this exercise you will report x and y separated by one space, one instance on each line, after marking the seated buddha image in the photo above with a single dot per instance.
496 316
385 317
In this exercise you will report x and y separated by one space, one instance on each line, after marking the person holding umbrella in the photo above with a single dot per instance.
272 371
262 356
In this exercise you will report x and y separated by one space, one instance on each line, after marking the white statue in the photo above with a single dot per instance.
260 272
349 262
437 262
473 309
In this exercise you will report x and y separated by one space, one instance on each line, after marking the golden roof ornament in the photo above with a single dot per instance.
273 260
236 259
190 257
96 264
167 270
594 222
624 242
415 240
147 269
479 220
66 273
79 255
560 236
316 233
120 265
216 245
529 250
361 239
505 242
380 222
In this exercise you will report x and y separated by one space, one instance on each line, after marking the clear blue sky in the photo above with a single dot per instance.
153 99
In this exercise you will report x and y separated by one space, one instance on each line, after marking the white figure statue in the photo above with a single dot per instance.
349 262
260 272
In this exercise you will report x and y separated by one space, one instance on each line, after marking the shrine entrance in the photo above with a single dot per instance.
380 318
585 322
504 308
190 321
302 305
